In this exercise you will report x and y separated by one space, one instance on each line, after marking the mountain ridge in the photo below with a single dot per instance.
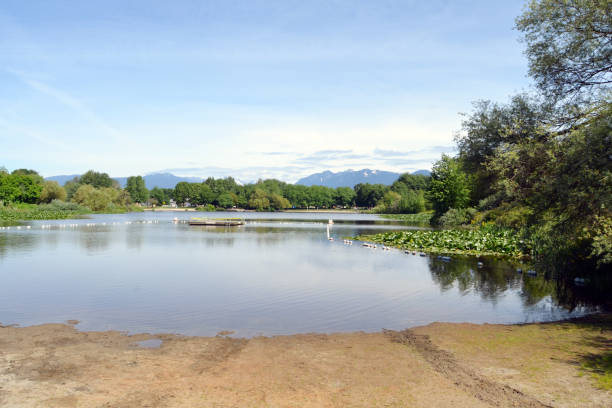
327 178
350 178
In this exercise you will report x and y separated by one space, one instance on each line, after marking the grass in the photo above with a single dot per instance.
482 241
417 219
600 369
57 210
541 353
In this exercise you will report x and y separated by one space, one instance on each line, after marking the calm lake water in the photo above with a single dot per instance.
278 274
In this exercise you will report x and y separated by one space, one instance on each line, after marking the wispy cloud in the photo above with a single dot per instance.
70 101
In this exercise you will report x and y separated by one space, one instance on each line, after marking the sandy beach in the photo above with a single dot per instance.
438 365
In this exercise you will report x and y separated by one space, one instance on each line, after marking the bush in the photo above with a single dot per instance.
54 211
52 191
456 216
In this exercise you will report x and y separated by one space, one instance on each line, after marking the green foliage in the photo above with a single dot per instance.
482 241
423 218
344 196
97 180
225 200
91 197
207 208
455 217
137 189
52 191
185 192
568 48
412 202
489 129
52 211
368 195
506 215
449 186
71 187
409 182
259 201
162 195
21 186
106 199
278 202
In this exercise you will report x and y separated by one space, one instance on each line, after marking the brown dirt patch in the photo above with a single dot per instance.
58 366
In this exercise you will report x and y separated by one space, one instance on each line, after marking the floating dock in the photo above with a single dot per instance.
221 222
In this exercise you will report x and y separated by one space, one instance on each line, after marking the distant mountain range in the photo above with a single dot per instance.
161 180
350 178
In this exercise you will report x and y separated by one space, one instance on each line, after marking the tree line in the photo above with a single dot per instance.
99 192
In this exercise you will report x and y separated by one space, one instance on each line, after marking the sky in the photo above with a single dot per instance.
252 89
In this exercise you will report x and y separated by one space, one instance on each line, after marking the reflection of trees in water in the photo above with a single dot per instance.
215 241
498 276
596 293
12 242
94 241
490 281
536 288
133 237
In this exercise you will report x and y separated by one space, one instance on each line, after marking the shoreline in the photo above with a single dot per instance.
440 364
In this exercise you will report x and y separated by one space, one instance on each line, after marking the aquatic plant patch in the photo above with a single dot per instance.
483 241
42 212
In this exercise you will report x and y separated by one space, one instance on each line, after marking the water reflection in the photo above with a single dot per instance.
273 275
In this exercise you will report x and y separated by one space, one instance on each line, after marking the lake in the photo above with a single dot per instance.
278 274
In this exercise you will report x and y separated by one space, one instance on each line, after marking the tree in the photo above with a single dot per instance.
259 201
71 187
449 186
96 179
367 195
20 188
225 200
408 182
569 48
137 189
344 196
278 202
52 191
390 202
412 202
89 196
491 127
206 194
185 192
162 195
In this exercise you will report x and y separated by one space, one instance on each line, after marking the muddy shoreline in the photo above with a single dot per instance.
438 365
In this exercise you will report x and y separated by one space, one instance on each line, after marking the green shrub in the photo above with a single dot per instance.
456 216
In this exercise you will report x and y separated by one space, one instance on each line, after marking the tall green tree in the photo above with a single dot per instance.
449 186
185 192
344 196
136 187
259 201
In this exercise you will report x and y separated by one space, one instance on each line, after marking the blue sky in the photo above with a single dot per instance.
247 88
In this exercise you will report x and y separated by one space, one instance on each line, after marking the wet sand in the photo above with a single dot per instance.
439 365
